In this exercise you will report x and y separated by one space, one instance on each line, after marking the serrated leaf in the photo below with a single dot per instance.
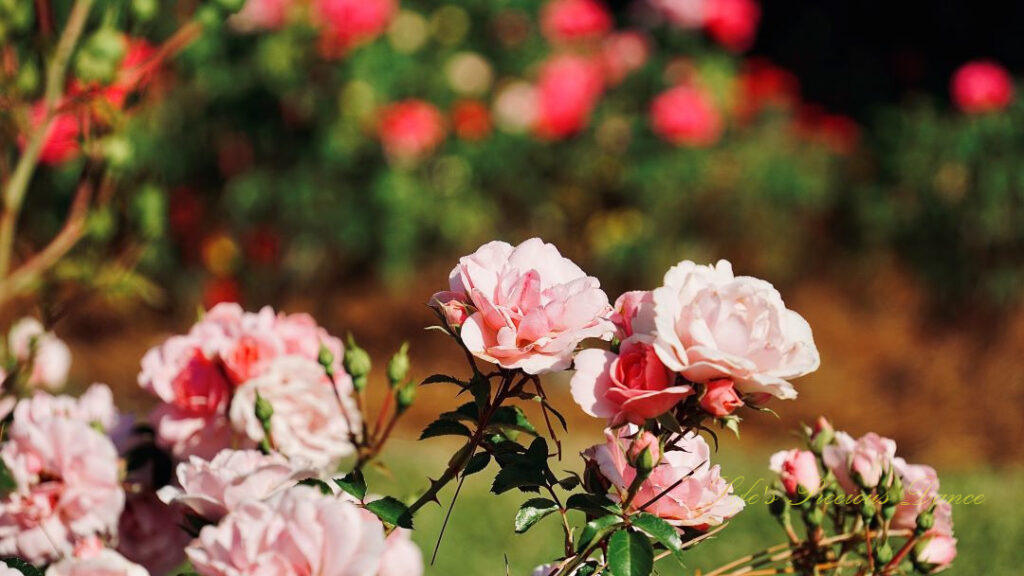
669 422
7 482
353 483
478 462
324 487
444 428
512 418
392 511
22 566
467 412
570 482
441 379
630 554
596 529
591 503
532 511
537 453
658 529
517 475
480 388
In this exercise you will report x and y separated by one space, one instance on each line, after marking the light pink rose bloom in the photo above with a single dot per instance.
6 570
533 306
95 406
869 459
711 324
631 386
402 557
797 468
28 341
212 489
720 398
308 421
248 355
146 537
302 336
68 488
633 313
937 551
296 533
702 498
454 306
920 492
105 562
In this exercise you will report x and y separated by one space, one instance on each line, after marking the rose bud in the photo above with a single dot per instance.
798 470
822 435
451 305
720 398
645 452
935 552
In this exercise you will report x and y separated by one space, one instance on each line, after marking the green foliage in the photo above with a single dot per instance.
22 566
630 554
532 511
392 511
353 483
7 482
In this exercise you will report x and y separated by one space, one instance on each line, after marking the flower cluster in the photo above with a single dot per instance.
209 381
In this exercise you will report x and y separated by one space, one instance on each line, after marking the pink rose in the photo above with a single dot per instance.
859 463
349 23
574 20
145 537
624 53
68 488
301 336
533 306
261 15
720 398
936 551
212 489
61 142
104 562
28 341
410 129
711 325
684 14
686 116
568 89
797 469
401 556
697 496
981 86
298 532
920 492
95 406
644 442
6 570
248 355
633 313
732 23
308 421
632 386
453 306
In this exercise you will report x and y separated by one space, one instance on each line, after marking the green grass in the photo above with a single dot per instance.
480 536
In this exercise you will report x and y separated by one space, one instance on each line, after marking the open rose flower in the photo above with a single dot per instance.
920 492
711 325
631 386
533 306
308 422
401 556
67 488
799 472
861 463
94 407
936 551
296 533
28 341
212 489
105 562
684 489
633 313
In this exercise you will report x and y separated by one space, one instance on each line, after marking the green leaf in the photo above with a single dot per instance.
669 422
597 529
511 418
533 511
630 554
537 453
591 503
467 412
7 482
353 483
477 463
480 387
23 566
441 378
325 488
392 511
658 529
520 475
445 428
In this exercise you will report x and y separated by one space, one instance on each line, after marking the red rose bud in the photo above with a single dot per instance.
720 398
981 86
410 129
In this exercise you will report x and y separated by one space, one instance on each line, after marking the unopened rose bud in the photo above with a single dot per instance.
883 553
326 359
798 471
720 398
815 517
404 397
264 410
452 306
925 521
934 553
822 435
644 453
357 363
867 507
398 366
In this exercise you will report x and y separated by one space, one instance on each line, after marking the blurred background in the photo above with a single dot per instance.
338 156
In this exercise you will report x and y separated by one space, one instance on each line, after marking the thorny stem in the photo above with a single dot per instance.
565 520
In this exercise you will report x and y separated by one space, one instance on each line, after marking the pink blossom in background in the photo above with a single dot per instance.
308 422
686 116
624 53
296 533
349 23
861 462
211 489
410 129
631 386
797 469
685 14
104 562
936 550
259 15
533 306
720 398
6 570
28 341
712 324
402 557
633 312
574 20
920 492
981 86
568 89
701 499
61 142
733 23
94 407
144 536
68 488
